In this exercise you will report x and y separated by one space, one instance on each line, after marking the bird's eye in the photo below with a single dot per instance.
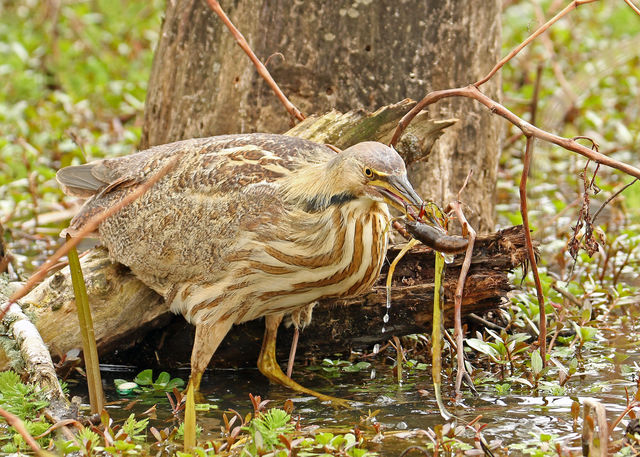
368 172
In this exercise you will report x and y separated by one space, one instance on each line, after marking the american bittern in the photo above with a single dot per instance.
247 226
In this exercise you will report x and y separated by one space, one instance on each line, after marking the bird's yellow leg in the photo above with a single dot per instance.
268 365
207 340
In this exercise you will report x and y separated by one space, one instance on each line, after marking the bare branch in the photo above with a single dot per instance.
570 7
466 264
527 128
262 70
633 7
557 69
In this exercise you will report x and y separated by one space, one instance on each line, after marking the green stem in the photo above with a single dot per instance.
89 349
436 337
190 420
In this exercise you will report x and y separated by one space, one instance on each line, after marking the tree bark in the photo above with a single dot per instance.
342 54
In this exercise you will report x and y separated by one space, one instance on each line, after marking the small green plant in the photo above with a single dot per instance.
333 368
144 382
266 429
542 445
23 400
504 348
115 440
15 443
180 431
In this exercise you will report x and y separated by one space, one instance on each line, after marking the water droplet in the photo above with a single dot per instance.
376 348
384 329
373 373
385 319
448 258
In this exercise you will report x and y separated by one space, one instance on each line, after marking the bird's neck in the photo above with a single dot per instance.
317 187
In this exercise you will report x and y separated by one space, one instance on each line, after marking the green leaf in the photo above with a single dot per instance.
144 378
175 382
483 347
357 452
356 367
324 438
125 387
536 363
588 333
163 378
350 440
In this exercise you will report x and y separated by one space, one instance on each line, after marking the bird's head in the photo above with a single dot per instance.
368 170
376 171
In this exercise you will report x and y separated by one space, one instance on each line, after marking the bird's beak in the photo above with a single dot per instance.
399 193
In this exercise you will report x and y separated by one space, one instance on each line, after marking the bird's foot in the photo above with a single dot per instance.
269 367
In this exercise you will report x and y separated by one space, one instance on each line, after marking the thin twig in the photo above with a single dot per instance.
543 28
55 419
422 450
556 332
16 423
536 96
262 70
527 128
485 322
57 425
542 336
90 226
633 7
449 339
466 264
566 294
608 200
626 411
557 69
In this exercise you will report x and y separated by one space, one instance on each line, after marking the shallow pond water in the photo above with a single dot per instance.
406 411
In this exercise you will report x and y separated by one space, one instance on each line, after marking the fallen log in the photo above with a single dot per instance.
128 315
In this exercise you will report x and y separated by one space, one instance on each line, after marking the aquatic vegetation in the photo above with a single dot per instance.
144 382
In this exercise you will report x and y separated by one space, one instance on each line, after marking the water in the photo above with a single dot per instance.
406 411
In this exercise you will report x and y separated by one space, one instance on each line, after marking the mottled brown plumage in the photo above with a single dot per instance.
246 226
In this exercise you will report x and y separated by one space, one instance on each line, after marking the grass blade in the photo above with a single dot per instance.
436 337
190 419
89 349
